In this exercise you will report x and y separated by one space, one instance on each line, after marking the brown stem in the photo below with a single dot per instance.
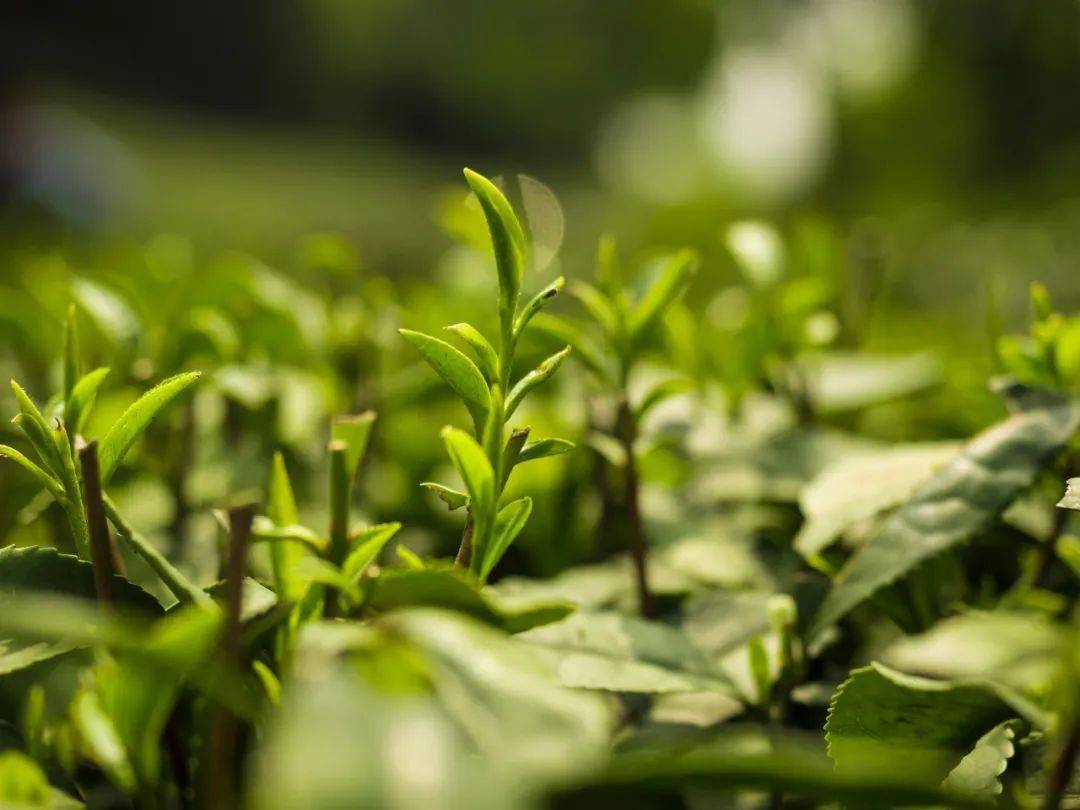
101 552
464 555
222 742
1061 772
627 429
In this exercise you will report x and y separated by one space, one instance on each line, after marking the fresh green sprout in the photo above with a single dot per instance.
486 457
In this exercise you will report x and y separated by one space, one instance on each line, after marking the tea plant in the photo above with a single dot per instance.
817 618
624 326
485 459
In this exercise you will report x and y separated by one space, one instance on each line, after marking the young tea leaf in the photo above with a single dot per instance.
454 499
507 237
80 401
354 432
544 448
536 377
137 417
508 525
486 358
457 370
674 279
537 303
473 467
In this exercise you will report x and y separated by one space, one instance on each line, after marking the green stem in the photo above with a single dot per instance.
182 588
638 545
1057 780
339 503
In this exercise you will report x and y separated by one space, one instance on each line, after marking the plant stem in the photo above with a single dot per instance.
182 588
1058 779
627 430
101 551
222 742
464 555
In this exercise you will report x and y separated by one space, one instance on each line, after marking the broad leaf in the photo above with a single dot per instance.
617 653
977 775
860 487
457 370
962 498
474 468
81 401
45 569
1021 650
883 722
136 418
507 236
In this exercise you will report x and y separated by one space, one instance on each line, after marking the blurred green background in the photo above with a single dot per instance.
269 190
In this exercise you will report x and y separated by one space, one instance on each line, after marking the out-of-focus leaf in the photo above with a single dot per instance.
617 653
758 250
674 278
560 332
23 785
505 697
1021 650
101 741
79 404
839 382
1072 495
449 588
977 775
457 370
354 432
135 419
337 744
600 307
964 496
660 392
882 722
111 314
45 569
367 543
281 509
860 487
255 599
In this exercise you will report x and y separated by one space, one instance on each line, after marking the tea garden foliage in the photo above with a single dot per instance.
325 540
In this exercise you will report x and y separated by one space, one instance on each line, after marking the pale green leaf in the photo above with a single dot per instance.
507 236
483 351
977 776
474 468
136 418
457 370
354 432
367 543
536 377
282 512
1071 500
544 448
454 499
675 277
81 400
962 498
508 525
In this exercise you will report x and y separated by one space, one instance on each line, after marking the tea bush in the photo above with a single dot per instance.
260 582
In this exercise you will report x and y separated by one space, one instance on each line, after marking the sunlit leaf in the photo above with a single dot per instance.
457 370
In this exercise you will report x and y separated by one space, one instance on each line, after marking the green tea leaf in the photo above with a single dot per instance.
1071 500
977 775
661 392
536 377
962 498
50 483
560 332
537 303
474 468
613 652
281 510
602 309
454 499
101 740
507 237
23 785
544 448
450 588
483 351
80 401
860 487
508 525
457 370
354 432
367 543
136 418
675 277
